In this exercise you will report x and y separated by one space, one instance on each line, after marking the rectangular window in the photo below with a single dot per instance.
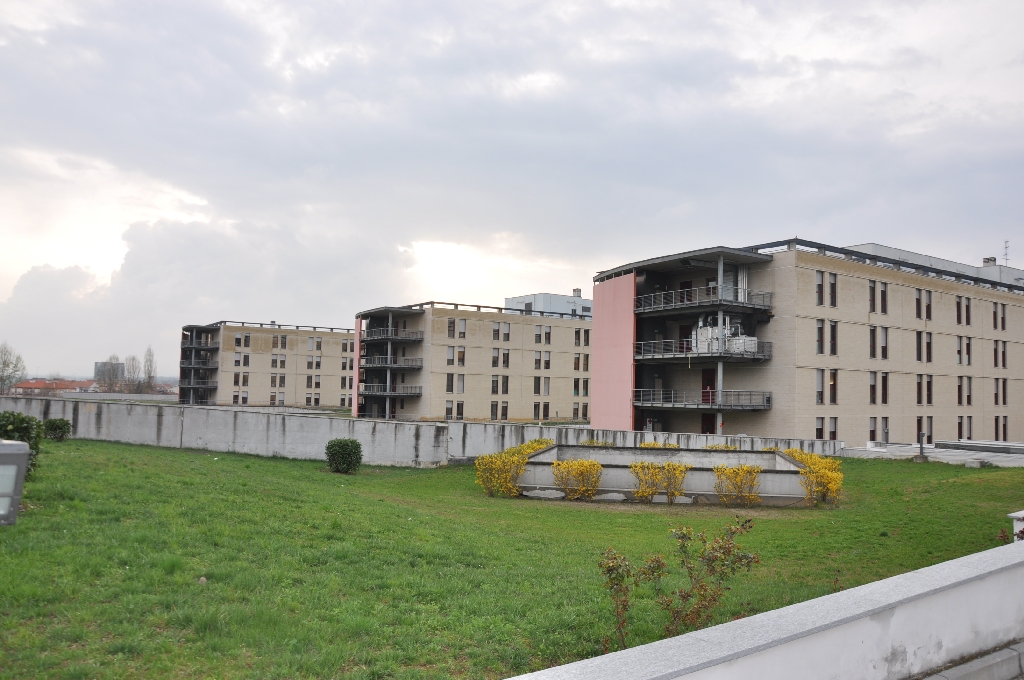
504 358
536 361
872 429
238 341
273 345
536 410
494 357
309 362
968 384
238 358
344 348
1004 391
316 381
928 431
586 413
238 378
586 362
576 361
918 303
280 383
872 342
273 379
281 361
967 311
496 331
309 382
546 413
959 349
319 345
234 398
449 408
401 403
449 383
995 316
959 427
506 331
317 361
547 386
820 348
885 388
820 386
928 347
997 429
504 384
997 392
920 345
284 345
995 353
461 356
245 359
536 385
316 399
883 298
309 347
460 384
928 391
1004 354
451 328
576 337
1002 321
462 328
547 335
494 410
504 410
960 391
928 308
885 429
245 341
871 296
920 428
967 350
872 387
586 387
586 343
833 290
273 399
575 387
537 334
920 388
884 341
970 427
245 380
494 384
833 338
833 386
245 398
576 410
451 355
959 309
819 428
819 288
273 361
833 428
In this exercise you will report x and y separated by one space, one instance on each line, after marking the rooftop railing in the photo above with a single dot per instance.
739 348
706 295
748 400
394 390
391 334
201 344
390 362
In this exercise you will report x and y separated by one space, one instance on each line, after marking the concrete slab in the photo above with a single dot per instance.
1001 665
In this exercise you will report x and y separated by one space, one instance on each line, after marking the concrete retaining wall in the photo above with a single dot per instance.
901 627
300 435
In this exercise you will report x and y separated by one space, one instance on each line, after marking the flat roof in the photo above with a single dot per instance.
272 324
420 306
705 257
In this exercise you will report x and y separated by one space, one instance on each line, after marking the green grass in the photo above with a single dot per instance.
397 572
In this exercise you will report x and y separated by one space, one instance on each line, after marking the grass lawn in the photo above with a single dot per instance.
398 572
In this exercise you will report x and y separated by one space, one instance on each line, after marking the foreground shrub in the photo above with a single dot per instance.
656 445
738 485
344 455
595 442
23 428
498 473
672 477
721 447
821 477
654 477
706 564
57 429
577 478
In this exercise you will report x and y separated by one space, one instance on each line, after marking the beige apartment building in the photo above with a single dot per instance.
267 364
437 361
801 339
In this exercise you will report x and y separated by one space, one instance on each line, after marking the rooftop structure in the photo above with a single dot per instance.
574 304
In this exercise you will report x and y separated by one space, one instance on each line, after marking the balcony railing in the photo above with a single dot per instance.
390 362
734 348
395 390
391 334
200 344
199 383
199 363
731 400
707 295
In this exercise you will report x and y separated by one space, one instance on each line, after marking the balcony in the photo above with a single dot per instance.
200 344
381 390
203 384
707 297
703 400
393 334
200 363
390 362
736 349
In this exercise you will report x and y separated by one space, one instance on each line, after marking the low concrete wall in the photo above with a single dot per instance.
303 435
974 445
901 627
779 480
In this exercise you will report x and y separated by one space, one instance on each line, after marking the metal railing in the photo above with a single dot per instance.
706 295
199 344
199 383
395 390
730 399
390 334
199 363
742 347
389 362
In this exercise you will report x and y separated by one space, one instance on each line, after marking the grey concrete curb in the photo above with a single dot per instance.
1002 665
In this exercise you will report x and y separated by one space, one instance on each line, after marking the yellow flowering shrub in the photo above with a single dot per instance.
672 477
721 447
577 478
656 445
595 442
654 477
498 473
821 477
738 485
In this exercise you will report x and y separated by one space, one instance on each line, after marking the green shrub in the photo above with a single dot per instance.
57 429
344 455
22 428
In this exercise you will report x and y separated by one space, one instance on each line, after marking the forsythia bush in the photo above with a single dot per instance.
738 484
720 447
821 477
577 478
656 445
499 472
595 442
653 477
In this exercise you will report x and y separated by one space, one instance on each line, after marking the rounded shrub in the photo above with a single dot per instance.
23 428
57 429
344 455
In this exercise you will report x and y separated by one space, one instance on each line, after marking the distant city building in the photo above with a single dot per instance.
802 339
105 370
52 387
446 361
266 364
574 305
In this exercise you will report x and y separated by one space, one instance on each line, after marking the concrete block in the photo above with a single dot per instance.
974 463
1001 665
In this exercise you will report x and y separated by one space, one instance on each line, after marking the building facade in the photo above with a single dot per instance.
437 361
267 364
866 343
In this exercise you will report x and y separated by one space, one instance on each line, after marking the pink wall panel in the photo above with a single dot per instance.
611 406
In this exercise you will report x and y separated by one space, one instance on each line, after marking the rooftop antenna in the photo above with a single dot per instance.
1006 253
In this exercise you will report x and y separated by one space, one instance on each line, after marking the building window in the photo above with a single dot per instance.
273 361
536 385
273 379
967 311
586 342
819 288
460 410
280 382
585 407
460 384
238 339
547 386
401 404
316 362
309 362
536 361
494 410
884 341
820 347
928 389
576 410
309 344
960 391
462 328
319 347
238 377
967 350
504 384
883 298
451 355
245 398
506 331
872 429
273 345
885 388
833 338
281 360
504 410
577 339
504 358
449 407
969 383
885 429
576 387
494 386
959 349
245 380
997 392
872 342
1002 327
462 356
316 399
871 296
1005 384
995 353
547 335
586 387
546 412
344 348
536 410
833 386
547 360
833 428
449 383
959 310
918 303
928 430
920 345
494 357
245 359
234 397
920 428
820 386
920 388
309 382
316 381
537 333
928 347
451 328
928 308
238 358
819 428
496 331
833 290
273 399
586 362
284 345
872 387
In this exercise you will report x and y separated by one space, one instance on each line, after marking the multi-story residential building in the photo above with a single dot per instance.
267 364
436 361
802 339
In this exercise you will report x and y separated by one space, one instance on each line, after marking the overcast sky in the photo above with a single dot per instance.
175 162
